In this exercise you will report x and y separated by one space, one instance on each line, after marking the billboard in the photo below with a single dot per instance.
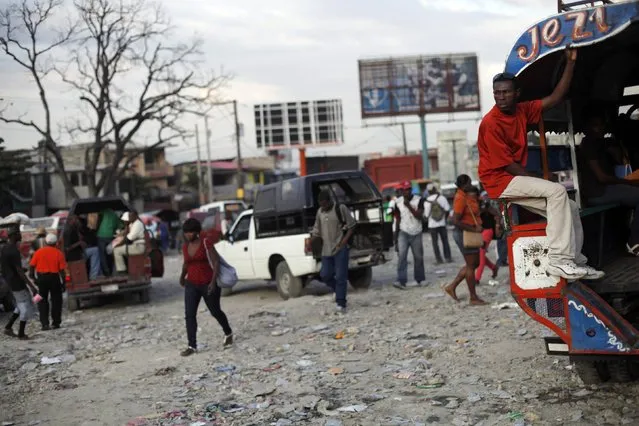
419 85
299 124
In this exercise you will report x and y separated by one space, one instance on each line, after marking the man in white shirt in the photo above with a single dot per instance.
133 244
436 209
409 210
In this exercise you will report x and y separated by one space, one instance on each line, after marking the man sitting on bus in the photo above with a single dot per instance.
599 184
503 152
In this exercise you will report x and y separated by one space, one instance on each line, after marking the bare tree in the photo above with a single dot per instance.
134 82
21 26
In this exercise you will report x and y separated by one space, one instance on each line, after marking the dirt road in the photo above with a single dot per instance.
409 357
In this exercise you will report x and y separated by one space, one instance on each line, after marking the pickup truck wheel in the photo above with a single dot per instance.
73 304
361 278
225 292
288 285
145 296
591 372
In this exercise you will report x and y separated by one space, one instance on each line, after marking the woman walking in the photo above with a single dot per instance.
490 220
466 217
199 279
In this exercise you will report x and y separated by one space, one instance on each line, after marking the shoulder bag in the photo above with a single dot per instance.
472 239
226 275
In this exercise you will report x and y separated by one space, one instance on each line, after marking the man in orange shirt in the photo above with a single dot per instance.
48 264
503 152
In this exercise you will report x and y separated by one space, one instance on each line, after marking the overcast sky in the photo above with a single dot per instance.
293 50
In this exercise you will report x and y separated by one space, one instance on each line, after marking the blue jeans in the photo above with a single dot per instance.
334 273
192 296
502 252
404 241
104 260
93 254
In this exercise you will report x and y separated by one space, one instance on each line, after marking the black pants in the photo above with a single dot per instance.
50 285
435 234
192 296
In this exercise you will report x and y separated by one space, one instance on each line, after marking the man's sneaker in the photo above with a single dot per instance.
567 270
399 286
340 309
593 274
188 351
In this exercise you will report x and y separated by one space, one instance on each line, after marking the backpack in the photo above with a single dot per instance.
437 213
338 213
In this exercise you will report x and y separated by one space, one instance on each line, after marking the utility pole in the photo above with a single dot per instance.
454 142
209 167
199 166
240 171
404 139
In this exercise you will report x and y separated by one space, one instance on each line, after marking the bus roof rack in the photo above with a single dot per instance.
565 6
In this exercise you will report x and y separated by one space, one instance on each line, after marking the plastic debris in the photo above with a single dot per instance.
353 408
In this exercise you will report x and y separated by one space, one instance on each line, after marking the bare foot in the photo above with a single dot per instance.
451 293
477 302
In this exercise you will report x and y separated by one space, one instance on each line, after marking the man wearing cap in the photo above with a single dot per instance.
436 209
11 267
409 210
132 244
503 152
48 265
39 241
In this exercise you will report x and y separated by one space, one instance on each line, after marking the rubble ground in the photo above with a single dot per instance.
410 357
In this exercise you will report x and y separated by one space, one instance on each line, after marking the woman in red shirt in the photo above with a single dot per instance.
199 274
466 217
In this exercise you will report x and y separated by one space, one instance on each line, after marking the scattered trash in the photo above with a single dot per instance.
522 332
335 371
225 368
50 361
493 283
581 393
473 397
333 422
440 272
280 332
507 305
403 375
432 386
515 415
339 335
461 341
353 408
305 363
271 368
165 371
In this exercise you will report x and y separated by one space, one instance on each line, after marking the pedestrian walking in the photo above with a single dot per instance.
199 279
48 267
334 225
466 218
436 210
11 267
490 218
409 211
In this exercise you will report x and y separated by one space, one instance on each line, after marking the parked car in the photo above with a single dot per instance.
141 268
270 242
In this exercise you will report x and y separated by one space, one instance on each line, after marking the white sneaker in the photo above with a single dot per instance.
593 274
567 270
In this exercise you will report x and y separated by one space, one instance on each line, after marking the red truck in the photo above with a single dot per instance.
394 169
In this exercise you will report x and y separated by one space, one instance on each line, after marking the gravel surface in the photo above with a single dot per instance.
410 357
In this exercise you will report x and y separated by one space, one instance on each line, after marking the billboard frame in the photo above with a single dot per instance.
392 63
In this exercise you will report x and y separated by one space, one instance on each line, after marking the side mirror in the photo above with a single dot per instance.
230 238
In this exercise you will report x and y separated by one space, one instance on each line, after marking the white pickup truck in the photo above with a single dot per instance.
269 242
